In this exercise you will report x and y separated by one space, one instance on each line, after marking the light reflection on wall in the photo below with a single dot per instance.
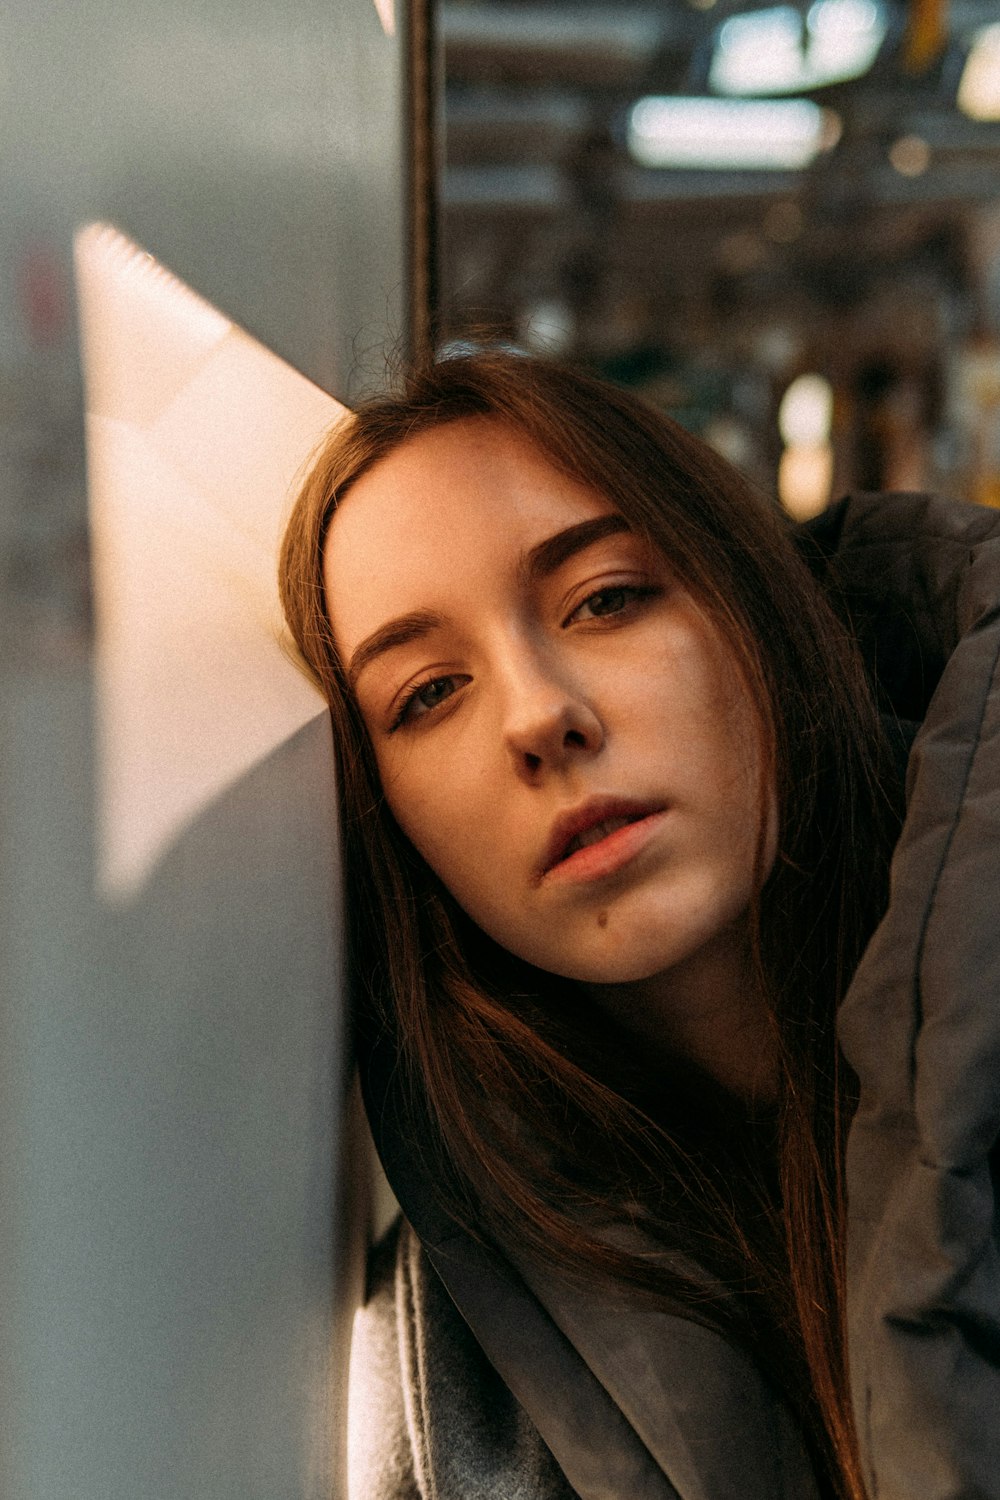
195 435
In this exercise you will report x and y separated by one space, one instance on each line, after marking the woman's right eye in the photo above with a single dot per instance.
422 699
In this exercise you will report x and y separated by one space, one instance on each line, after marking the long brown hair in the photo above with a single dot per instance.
538 1144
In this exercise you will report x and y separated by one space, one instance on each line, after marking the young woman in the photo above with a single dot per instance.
619 804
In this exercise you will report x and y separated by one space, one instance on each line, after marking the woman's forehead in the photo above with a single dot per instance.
459 503
472 465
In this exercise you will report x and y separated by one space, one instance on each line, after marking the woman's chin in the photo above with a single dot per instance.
613 968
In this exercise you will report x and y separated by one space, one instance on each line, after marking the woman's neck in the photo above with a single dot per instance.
707 1011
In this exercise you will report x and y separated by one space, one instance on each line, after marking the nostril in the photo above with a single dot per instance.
532 761
574 737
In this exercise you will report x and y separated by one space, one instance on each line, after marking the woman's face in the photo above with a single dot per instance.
559 729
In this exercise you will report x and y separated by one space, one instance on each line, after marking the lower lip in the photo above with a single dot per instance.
609 854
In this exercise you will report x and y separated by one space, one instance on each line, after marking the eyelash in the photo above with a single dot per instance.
636 594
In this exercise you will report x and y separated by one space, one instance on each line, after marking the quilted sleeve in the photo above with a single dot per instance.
921 1027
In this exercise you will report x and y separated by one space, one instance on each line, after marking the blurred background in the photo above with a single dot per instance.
780 222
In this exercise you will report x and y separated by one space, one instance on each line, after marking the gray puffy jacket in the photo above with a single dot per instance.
473 1383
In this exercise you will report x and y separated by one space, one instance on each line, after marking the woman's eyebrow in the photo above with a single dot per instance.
540 562
398 632
547 556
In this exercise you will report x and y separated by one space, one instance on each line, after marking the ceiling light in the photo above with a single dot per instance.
979 88
719 133
910 155
805 478
806 411
833 129
774 51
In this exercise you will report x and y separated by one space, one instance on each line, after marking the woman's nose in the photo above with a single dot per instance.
548 720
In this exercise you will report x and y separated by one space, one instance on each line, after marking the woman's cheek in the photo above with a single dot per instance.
425 807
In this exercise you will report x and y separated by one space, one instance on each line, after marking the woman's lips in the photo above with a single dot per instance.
608 855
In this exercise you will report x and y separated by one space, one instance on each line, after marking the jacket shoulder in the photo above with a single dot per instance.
912 574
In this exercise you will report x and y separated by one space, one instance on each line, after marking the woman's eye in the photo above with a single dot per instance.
611 601
423 698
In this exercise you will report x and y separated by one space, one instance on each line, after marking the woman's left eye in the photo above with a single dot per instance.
424 699
613 600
